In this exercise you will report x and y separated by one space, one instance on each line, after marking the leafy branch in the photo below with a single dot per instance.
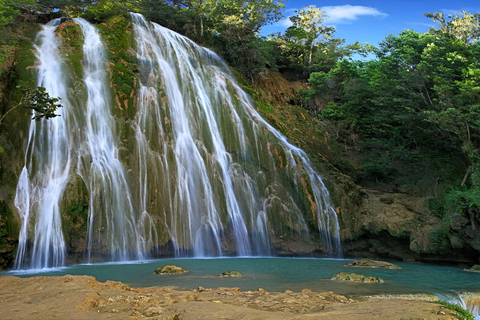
43 105
39 101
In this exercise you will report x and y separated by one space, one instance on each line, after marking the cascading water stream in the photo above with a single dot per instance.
194 194
465 300
87 131
210 129
47 164
99 165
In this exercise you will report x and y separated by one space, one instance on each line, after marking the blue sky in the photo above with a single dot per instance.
372 21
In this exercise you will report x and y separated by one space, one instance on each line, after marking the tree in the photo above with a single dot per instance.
310 19
203 9
236 24
465 28
240 18
306 35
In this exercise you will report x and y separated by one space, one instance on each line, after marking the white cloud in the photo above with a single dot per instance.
284 23
336 14
347 13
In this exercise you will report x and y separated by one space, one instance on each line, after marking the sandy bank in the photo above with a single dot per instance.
83 297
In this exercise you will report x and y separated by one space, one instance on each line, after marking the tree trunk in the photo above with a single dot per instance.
310 55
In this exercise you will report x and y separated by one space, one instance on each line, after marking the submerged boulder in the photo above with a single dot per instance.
343 276
367 263
170 270
230 274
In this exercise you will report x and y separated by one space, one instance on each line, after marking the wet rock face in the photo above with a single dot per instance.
343 276
374 264
170 270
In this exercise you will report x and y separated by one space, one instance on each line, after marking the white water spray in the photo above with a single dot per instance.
111 222
47 165
210 130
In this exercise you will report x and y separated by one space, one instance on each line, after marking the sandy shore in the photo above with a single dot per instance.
83 297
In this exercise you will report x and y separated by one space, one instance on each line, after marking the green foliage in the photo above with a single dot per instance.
465 28
79 210
41 103
7 243
7 13
476 267
100 11
230 27
306 38
418 102
379 169
266 107
440 242
462 201
460 313
171 16
118 35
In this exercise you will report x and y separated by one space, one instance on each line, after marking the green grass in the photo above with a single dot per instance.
460 313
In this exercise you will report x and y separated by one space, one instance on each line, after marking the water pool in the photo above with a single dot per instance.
274 274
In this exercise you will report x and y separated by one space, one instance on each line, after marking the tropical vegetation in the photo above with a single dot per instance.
407 119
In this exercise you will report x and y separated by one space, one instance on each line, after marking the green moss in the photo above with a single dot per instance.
440 242
8 236
79 212
17 70
460 313
264 107
117 32
71 35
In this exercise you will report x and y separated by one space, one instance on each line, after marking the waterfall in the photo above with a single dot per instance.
206 174
192 111
47 164
99 165
467 300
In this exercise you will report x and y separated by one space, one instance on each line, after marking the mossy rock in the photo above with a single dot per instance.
343 276
475 268
374 264
170 270
230 274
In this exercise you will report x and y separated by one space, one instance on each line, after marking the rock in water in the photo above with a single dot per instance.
170 270
475 268
230 274
367 263
343 276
